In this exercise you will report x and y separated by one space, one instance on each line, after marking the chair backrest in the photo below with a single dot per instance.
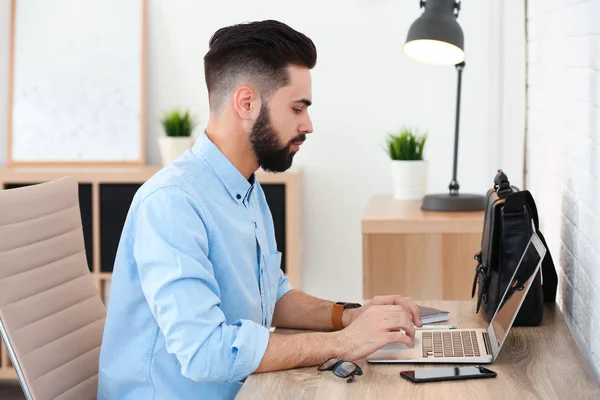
51 315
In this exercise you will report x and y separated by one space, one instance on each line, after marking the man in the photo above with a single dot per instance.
197 280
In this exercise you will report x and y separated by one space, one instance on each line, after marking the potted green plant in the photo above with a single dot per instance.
409 169
178 127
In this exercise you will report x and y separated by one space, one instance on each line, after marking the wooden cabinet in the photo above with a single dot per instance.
421 254
105 194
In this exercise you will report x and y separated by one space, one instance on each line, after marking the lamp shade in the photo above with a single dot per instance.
436 37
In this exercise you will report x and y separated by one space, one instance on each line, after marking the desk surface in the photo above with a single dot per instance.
535 363
384 214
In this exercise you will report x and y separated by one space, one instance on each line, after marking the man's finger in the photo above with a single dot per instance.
414 310
395 322
408 329
399 337
406 305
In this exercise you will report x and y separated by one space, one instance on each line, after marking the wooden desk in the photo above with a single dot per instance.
421 254
535 363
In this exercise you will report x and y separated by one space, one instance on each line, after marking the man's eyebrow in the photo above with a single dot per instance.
304 101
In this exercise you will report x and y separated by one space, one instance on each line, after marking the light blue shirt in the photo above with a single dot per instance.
195 282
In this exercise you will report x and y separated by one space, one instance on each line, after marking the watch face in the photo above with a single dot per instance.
349 305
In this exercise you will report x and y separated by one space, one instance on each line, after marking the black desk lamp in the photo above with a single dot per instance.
437 38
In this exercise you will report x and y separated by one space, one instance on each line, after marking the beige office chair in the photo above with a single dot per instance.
51 315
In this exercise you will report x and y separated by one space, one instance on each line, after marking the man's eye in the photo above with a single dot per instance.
297 110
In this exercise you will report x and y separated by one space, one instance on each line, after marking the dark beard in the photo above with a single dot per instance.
265 143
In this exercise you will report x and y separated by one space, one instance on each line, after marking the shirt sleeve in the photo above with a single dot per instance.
284 285
171 243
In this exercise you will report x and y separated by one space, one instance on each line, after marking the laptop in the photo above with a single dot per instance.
471 345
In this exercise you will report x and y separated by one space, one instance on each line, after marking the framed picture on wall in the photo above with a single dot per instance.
77 82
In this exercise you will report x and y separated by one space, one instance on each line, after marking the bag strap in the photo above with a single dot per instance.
517 201
515 204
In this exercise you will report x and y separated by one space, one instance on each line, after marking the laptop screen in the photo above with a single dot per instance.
515 294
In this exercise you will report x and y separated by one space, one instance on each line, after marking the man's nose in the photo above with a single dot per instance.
307 127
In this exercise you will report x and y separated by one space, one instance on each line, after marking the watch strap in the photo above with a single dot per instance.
338 310
336 316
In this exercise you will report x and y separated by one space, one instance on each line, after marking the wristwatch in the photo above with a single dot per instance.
336 315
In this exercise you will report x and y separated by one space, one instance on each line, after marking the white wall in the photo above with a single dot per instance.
363 86
563 137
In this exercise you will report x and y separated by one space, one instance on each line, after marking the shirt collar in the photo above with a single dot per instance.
237 185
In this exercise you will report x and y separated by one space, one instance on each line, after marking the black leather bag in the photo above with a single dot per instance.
510 218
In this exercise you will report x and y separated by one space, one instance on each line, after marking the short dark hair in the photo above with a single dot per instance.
258 52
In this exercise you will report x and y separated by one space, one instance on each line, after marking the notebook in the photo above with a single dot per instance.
430 315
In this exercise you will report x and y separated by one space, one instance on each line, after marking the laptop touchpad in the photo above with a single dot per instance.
401 346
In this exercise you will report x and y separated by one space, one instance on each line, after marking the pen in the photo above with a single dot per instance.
434 327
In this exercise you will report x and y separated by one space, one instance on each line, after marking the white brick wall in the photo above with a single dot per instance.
563 155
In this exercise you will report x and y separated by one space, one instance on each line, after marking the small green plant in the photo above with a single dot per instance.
407 144
178 124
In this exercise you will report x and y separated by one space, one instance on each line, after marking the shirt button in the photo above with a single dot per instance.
238 196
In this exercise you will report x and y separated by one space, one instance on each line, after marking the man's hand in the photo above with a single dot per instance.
407 303
375 327
383 320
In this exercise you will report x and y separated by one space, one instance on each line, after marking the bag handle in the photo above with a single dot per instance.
502 184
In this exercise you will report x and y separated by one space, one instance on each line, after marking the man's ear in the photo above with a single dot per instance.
247 103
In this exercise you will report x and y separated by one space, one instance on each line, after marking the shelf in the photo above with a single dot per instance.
8 373
4 360
104 174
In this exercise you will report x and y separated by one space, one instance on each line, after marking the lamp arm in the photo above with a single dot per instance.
454 186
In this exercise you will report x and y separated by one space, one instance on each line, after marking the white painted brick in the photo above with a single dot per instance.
566 172
584 186
595 10
568 265
571 22
568 235
586 153
578 336
595 336
585 290
595 157
596 46
578 180
595 87
563 156
578 51
580 81
595 369
590 225
568 298
569 3
582 317
570 207
580 150
578 20
587 258
580 115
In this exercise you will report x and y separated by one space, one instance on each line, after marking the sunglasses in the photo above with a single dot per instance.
341 368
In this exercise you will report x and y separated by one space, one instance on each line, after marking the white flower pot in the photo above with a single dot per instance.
409 179
173 147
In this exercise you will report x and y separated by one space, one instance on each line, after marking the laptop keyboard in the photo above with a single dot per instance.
450 344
